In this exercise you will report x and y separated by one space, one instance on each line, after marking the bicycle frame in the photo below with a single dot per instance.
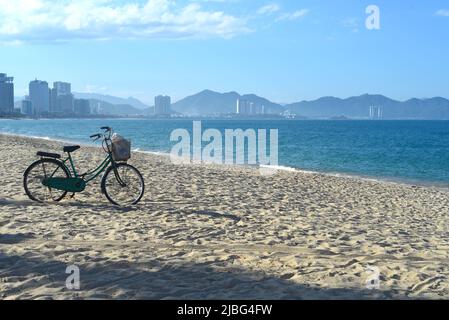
89 175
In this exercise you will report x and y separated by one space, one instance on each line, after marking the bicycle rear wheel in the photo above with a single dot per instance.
35 175
130 191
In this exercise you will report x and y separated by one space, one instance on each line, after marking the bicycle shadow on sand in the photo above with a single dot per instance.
150 206
213 214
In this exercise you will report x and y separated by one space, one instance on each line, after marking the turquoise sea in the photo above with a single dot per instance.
409 151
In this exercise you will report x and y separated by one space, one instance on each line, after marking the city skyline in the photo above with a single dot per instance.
43 100
284 51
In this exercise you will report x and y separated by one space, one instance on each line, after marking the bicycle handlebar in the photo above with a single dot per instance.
107 134
107 143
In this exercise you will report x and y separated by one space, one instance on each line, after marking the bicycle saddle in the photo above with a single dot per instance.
71 148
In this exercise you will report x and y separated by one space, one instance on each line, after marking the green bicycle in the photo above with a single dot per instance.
50 179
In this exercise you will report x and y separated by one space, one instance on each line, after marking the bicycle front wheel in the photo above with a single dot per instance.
124 186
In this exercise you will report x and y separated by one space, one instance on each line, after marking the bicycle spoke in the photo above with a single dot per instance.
45 176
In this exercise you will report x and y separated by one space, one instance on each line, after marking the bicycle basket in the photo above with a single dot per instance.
121 148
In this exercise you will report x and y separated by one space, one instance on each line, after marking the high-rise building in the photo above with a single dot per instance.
64 103
82 107
39 96
6 93
61 98
53 105
62 88
26 107
375 112
249 108
243 107
95 109
162 105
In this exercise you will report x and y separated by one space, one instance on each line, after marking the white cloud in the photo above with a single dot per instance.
269 8
62 20
293 15
443 12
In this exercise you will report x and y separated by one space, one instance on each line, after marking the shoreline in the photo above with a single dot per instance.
393 180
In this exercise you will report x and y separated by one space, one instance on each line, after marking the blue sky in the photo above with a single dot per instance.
283 50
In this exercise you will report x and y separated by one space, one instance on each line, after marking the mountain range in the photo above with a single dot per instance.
207 103
133 102
116 106
117 109
359 107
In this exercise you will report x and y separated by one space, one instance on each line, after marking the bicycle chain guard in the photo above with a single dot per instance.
65 184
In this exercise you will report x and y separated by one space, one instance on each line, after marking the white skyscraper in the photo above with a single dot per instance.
376 112
243 106
162 105
62 88
6 93
249 108
61 98
39 96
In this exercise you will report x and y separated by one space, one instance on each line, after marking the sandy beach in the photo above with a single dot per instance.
216 232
